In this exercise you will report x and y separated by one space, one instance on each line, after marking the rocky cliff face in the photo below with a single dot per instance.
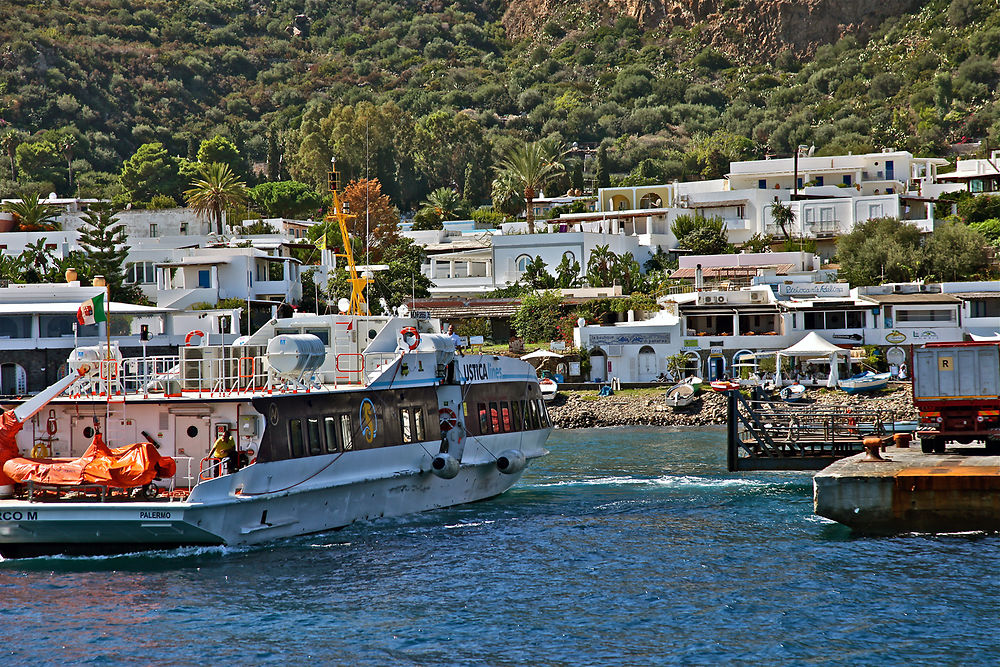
758 28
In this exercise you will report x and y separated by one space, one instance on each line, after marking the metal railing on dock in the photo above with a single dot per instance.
773 435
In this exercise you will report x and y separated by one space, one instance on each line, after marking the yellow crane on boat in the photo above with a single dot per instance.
359 306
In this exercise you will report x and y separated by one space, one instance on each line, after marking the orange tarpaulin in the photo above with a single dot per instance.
122 467
9 427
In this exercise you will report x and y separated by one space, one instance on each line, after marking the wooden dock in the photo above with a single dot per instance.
773 435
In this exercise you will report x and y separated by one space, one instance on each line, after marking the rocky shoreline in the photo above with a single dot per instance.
585 409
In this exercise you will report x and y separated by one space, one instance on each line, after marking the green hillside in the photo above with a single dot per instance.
427 94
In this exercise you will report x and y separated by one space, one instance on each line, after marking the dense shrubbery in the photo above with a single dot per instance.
428 96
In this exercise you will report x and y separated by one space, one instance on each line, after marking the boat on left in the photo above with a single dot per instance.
310 423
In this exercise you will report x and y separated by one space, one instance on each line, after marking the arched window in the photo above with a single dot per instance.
13 380
650 200
522 263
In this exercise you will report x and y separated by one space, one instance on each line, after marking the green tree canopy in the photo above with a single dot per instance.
954 252
222 150
285 199
537 318
41 161
150 171
879 250
979 208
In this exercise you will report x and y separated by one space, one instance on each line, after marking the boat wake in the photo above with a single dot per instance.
678 481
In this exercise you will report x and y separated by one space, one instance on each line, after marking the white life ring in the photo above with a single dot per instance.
406 332
448 418
202 338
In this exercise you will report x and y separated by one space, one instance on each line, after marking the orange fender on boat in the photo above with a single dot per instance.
123 467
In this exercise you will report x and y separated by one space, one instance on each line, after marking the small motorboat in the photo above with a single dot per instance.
723 385
866 381
793 393
680 395
695 382
549 388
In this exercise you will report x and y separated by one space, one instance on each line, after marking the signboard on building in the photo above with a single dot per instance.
895 337
631 339
690 342
815 289
557 345
574 368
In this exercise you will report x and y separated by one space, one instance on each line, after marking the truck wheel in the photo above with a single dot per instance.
939 444
928 445
992 446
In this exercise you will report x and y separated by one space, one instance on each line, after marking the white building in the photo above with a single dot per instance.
39 328
207 275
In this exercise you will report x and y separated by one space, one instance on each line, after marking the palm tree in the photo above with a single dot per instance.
33 214
9 142
217 189
531 166
445 203
783 216
600 266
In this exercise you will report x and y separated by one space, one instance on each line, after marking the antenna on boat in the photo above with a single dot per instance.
358 304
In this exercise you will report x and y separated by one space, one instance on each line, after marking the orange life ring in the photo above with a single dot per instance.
448 418
192 334
410 331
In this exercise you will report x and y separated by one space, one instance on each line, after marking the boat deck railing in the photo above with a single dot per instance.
220 374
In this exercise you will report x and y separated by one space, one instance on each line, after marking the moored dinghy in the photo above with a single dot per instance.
866 381
680 395
792 393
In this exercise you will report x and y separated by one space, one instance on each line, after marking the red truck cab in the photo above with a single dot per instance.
956 388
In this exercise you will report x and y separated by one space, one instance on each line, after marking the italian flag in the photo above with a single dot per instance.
91 311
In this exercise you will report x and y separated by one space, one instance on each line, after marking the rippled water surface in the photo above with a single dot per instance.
624 546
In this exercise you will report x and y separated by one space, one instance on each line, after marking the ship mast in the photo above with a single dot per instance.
359 305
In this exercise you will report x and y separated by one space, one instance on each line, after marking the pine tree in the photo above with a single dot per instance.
104 243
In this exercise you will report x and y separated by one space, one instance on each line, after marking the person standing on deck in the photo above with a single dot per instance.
225 449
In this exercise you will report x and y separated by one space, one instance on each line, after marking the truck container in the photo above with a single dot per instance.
956 388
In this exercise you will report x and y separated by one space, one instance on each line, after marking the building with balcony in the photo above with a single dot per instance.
207 275
978 176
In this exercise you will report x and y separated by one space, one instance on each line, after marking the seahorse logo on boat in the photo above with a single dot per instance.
369 422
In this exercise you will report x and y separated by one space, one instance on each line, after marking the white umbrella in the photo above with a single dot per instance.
542 354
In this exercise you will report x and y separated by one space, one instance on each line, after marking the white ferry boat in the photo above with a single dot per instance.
337 419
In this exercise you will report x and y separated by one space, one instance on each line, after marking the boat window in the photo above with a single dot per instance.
494 418
312 431
295 437
505 416
515 415
404 424
418 424
533 414
322 334
346 435
330 426
484 424
543 416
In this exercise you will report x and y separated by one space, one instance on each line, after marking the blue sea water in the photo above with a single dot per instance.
623 547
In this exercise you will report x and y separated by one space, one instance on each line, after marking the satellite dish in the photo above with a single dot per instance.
403 311
343 305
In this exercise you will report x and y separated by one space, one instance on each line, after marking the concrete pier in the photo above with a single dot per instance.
911 492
